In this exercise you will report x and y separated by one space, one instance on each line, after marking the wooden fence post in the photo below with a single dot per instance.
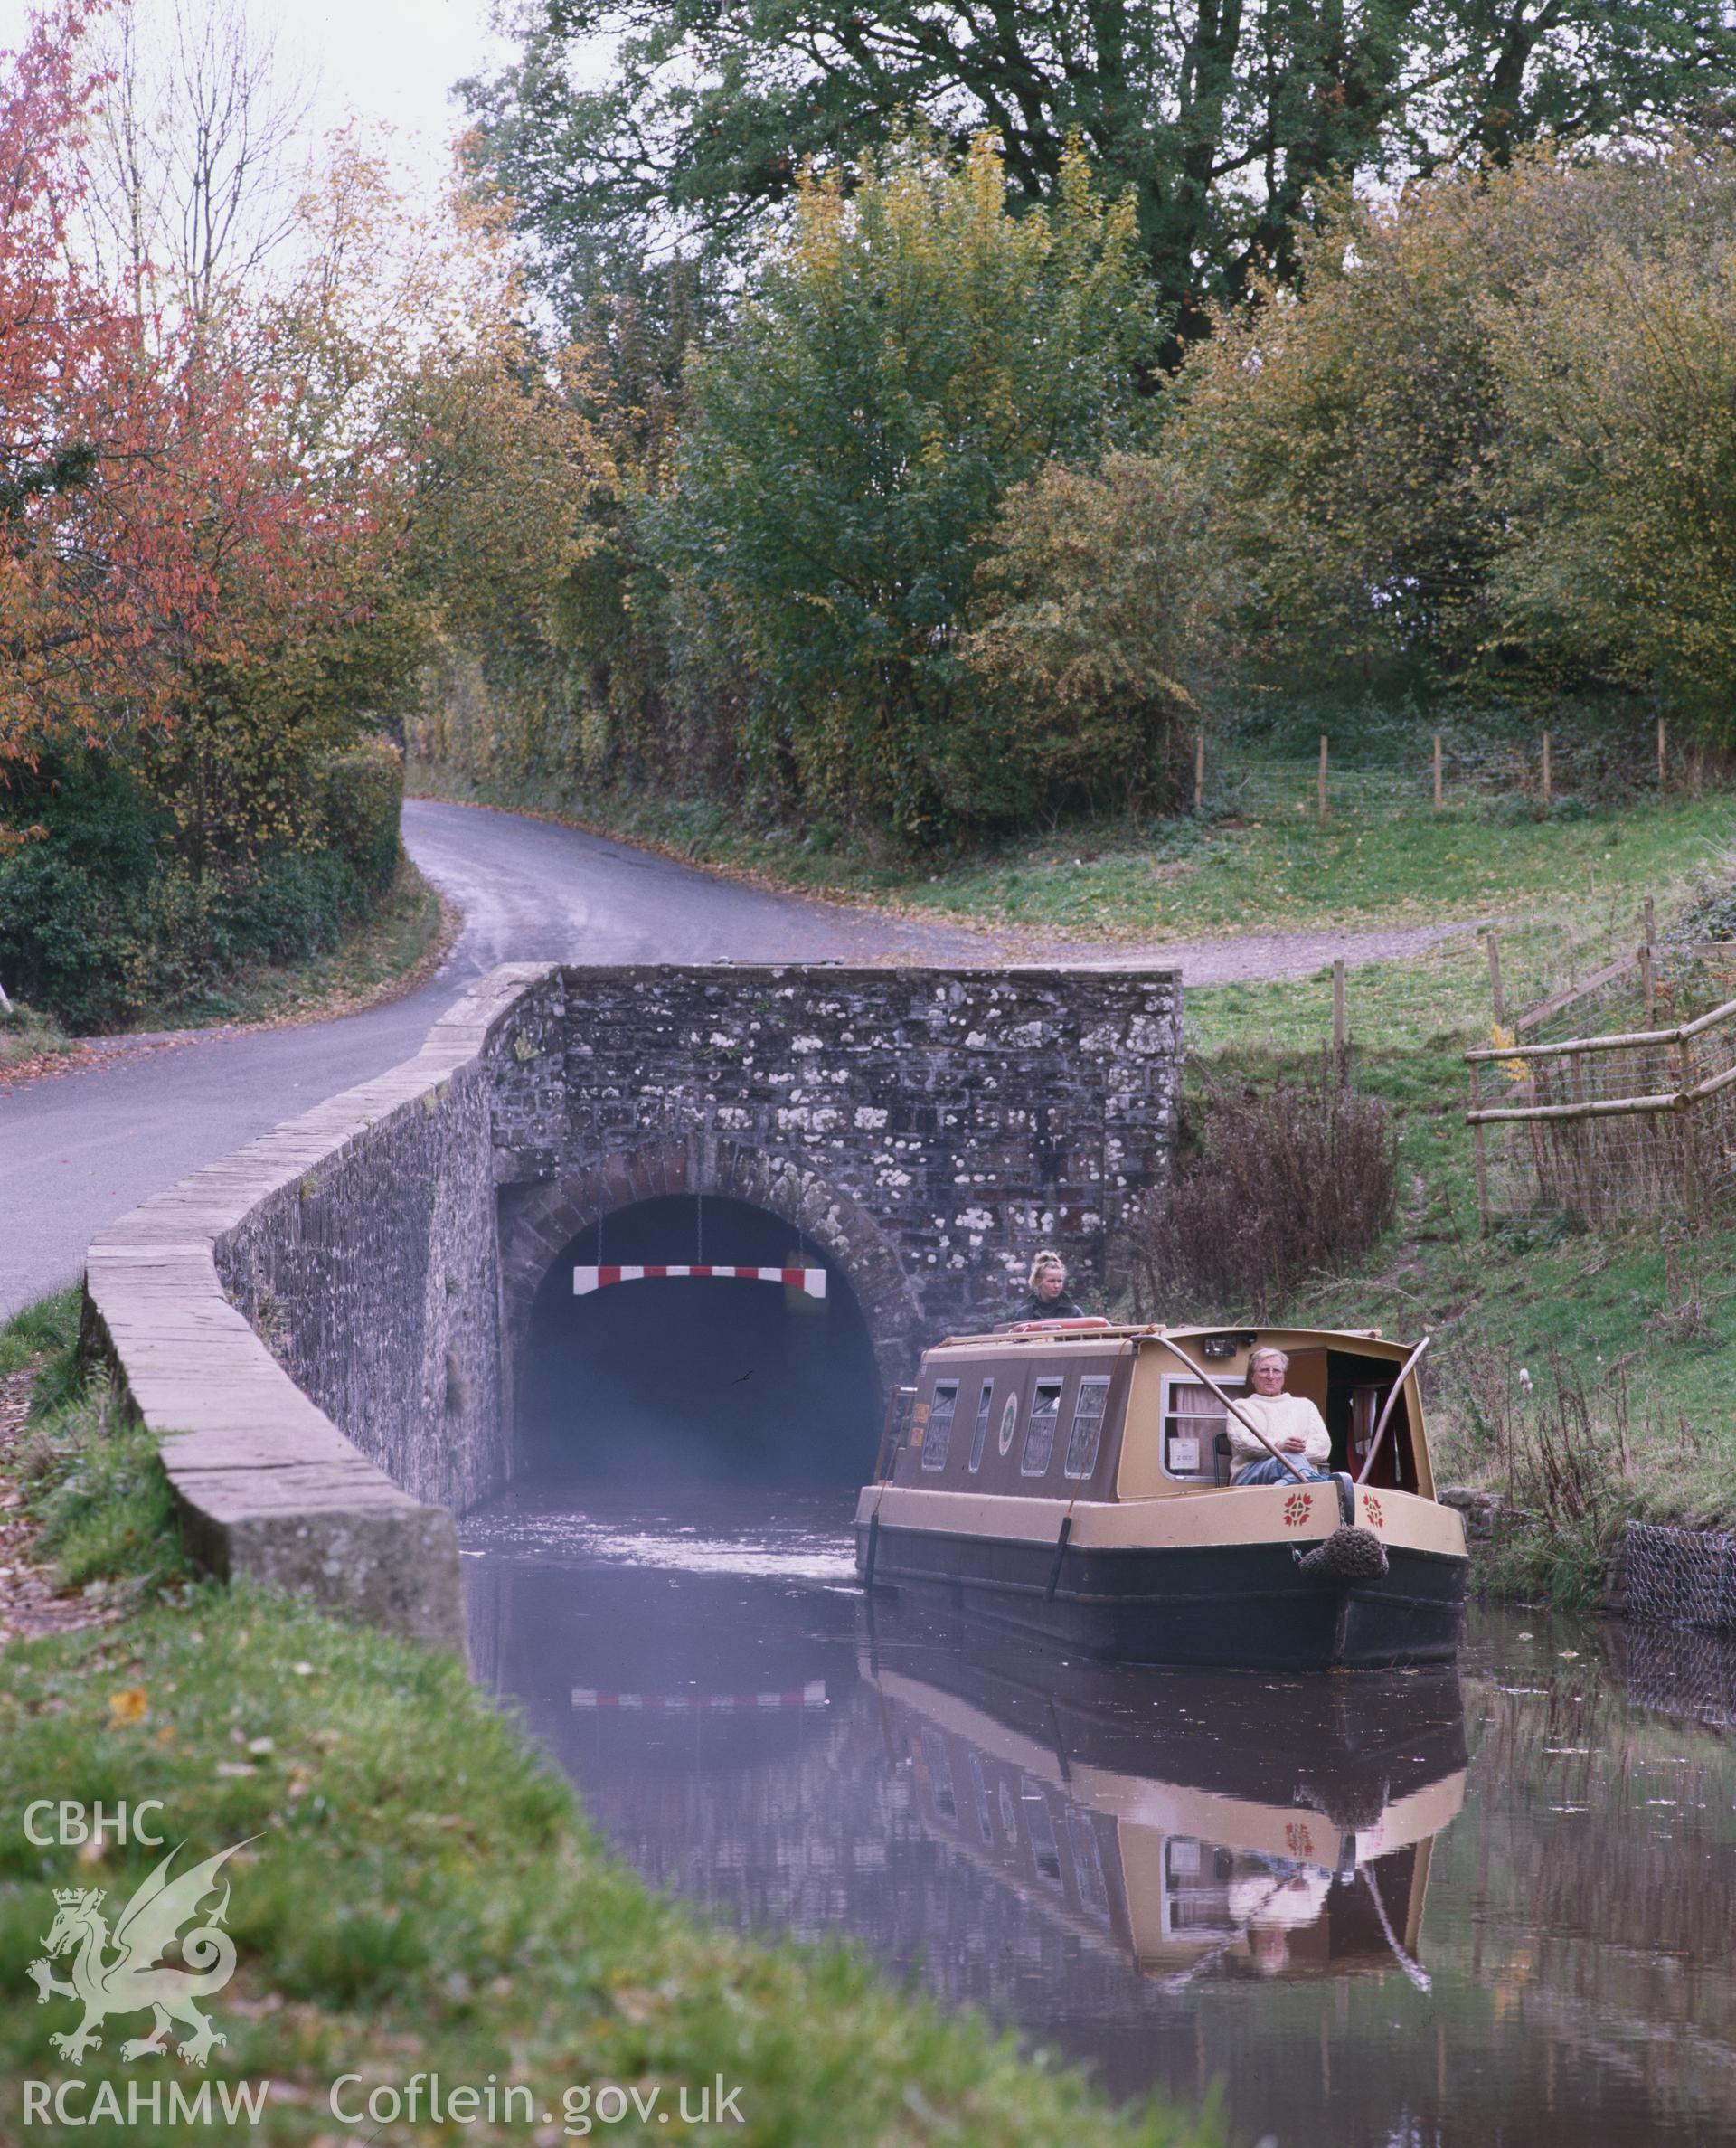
1662 762
1338 1009
1546 782
1494 977
1199 771
1647 962
1323 775
1689 1143
1437 772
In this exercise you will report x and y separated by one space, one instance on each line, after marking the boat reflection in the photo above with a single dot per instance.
1198 1824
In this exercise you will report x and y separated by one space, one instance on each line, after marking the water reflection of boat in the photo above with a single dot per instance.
1070 1480
1186 1819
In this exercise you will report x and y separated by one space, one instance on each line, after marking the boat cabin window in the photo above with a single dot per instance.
1040 1431
1039 1830
1088 1424
1197 1877
979 1437
1192 1419
937 1437
939 1763
1088 1865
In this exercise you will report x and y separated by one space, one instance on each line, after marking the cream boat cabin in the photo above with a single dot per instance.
1072 1480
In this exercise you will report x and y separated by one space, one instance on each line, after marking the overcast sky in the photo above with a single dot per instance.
393 61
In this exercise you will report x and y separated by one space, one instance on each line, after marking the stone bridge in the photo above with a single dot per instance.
330 1327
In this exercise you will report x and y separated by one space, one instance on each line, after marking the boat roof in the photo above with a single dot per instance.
1048 1334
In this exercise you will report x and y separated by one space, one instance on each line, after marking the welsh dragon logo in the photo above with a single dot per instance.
121 1974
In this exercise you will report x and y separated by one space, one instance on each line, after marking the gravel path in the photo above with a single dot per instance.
1254 958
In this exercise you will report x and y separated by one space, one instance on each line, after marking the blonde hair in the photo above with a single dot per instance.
1268 1349
1043 1262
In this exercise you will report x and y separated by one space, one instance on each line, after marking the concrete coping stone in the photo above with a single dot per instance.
266 1486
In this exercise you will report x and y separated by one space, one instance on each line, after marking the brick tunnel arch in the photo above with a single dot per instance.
554 1222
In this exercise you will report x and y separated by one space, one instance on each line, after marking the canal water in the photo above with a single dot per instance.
1497 1908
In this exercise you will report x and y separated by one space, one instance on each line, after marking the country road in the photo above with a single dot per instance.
78 1149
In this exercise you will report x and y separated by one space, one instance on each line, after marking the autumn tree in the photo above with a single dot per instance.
911 351
101 579
1617 374
1096 602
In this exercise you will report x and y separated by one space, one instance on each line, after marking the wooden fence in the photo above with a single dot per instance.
1327 786
1640 1122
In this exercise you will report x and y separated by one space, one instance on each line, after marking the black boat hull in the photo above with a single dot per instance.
1232 1606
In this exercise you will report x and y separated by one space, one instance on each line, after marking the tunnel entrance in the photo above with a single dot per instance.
685 1379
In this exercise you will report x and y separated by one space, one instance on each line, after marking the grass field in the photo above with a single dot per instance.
420 1891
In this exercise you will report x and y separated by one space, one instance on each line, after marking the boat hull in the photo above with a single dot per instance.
1246 1605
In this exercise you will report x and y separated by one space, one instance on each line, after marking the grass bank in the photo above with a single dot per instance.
418 1892
30 1042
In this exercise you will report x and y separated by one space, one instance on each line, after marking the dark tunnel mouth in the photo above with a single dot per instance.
683 1380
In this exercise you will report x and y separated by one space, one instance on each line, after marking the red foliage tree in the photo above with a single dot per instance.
155 517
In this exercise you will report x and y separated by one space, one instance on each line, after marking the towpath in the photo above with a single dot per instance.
80 1147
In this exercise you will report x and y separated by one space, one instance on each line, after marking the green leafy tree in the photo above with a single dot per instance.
913 349
1220 120
1619 380
1358 440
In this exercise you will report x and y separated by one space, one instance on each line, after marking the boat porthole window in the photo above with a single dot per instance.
979 1437
1009 1420
939 1437
1040 1429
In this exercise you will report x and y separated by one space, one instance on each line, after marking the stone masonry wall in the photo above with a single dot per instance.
318 1424
372 1278
928 1129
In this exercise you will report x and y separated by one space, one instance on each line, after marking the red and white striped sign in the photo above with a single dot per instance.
812 1695
810 1280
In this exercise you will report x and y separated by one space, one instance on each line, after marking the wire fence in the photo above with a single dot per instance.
1446 775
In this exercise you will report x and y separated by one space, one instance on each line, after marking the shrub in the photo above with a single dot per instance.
1277 1183
101 921
359 797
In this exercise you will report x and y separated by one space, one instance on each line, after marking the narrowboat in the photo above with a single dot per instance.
1070 1480
1141 1824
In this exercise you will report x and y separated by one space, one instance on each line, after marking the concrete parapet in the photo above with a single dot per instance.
268 1487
